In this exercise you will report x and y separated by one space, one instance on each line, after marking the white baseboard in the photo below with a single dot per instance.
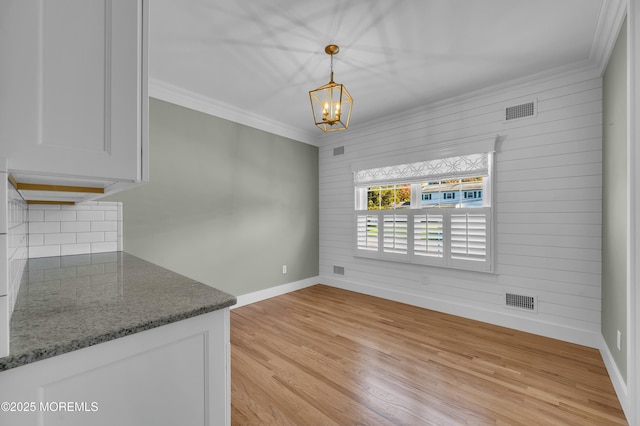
619 384
505 319
257 296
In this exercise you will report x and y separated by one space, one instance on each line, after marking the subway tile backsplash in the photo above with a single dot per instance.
86 228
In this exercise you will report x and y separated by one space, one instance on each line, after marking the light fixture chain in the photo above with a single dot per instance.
331 79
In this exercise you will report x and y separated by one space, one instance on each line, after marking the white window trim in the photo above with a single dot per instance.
447 260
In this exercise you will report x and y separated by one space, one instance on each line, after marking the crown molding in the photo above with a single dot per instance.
176 95
179 96
577 72
612 15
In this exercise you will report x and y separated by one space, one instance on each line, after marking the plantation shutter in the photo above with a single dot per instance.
367 232
395 233
469 237
428 235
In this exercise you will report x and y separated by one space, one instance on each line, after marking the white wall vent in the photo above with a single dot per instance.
520 301
338 150
520 111
338 270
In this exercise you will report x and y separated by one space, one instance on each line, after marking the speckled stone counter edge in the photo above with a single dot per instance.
39 354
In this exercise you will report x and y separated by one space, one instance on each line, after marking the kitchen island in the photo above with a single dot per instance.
109 338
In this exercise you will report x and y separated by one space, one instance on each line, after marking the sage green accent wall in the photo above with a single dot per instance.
226 204
614 202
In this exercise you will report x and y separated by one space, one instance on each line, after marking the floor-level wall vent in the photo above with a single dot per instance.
523 302
520 111
338 270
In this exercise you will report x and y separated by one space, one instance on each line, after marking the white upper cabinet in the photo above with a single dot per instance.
73 88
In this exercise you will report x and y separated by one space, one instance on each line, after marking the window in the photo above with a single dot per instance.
388 197
473 194
433 213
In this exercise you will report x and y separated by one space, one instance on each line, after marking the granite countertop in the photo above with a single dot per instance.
71 302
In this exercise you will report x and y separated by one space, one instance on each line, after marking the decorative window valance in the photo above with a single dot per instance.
450 167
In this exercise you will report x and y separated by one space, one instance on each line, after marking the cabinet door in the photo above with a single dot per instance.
177 374
73 87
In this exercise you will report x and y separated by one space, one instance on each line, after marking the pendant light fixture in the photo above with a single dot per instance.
331 104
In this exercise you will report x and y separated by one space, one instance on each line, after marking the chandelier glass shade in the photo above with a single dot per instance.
331 104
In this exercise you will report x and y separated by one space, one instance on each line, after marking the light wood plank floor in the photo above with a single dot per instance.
325 356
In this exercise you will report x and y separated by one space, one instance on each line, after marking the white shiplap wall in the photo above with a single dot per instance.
547 208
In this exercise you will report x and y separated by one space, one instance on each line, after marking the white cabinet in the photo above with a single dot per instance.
73 87
177 374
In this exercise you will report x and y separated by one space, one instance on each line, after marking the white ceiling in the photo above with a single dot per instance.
254 61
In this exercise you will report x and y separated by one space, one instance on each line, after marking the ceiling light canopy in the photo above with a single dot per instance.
331 104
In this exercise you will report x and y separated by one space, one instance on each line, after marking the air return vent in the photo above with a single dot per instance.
338 270
520 111
519 301
338 150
